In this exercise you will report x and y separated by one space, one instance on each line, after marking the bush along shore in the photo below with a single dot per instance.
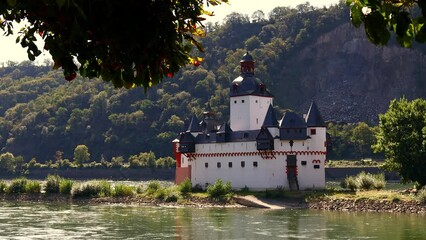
151 193
363 192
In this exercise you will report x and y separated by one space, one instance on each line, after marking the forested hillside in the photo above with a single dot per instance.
301 54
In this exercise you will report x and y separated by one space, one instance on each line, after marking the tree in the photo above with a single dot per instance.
81 154
362 137
132 43
402 137
405 18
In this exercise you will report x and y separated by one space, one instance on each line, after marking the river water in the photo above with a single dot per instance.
60 221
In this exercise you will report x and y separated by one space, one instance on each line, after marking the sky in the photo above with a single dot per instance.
12 51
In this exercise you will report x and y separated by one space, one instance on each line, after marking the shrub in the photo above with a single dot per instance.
153 186
365 181
17 186
92 189
219 190
279 192
65 186
168 194
185 187
3 186
52 184
421 195
33 187
379 181
121 190
349 182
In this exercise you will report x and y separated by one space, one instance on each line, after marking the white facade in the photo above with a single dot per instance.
248 112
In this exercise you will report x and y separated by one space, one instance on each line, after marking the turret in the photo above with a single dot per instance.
249 98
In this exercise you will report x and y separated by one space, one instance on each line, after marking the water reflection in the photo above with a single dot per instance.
58 221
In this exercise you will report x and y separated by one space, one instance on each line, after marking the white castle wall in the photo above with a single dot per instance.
269 173
248 112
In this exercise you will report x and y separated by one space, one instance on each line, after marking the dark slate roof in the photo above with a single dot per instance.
247 58
270 118
292 120
194 125
247 83
225 128
314 118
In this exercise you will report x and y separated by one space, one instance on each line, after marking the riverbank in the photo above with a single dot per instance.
368 205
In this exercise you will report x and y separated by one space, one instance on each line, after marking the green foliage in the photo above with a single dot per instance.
65 186
92 189
108 48
349 182
17 186
380 18
122 190
401 136
279 192
52 184
219 190
185 187
33 187
152 187
81 154
144 159
421 195
3 186
364 181
11 163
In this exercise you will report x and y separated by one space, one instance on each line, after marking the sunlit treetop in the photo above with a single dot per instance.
405 18
129 43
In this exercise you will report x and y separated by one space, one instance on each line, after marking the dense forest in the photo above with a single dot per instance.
41 113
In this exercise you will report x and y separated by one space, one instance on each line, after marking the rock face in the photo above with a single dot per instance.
353 80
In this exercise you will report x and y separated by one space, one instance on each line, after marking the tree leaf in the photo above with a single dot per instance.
375 28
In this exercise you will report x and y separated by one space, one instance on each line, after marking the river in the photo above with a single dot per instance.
61 221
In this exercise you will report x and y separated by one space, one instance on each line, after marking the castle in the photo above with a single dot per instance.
254 150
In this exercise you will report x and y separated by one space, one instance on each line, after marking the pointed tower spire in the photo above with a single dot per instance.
194 125
270 118
314 118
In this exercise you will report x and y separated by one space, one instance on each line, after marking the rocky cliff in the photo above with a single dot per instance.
353 80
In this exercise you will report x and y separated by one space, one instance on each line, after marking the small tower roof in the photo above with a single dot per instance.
194 125
270 118
314 118
292 120
247 83
246 58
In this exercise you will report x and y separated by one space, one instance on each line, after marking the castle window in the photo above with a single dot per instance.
313 131
206 164
242 101
303 163
243 164
230 164
235 101
316 166
256 101
219 165
254 164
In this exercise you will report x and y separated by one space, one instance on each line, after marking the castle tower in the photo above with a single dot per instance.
249 98
316 127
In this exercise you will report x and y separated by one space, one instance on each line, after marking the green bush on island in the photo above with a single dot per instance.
33 187
65 186
185 187
122 190
3 186
52 184
17 186
92 189
421 195
219 190
364 181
